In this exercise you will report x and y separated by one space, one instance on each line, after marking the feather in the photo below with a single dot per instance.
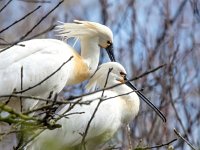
92 84
80 29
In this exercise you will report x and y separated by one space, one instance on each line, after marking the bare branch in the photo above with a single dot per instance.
160 145
135 78
182 138
11 111
44 17
22 91
35 1
93 115
21 104
43 32
148 72
6 28
5 5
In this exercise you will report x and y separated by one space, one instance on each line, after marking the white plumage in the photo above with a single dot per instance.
41 57
110 116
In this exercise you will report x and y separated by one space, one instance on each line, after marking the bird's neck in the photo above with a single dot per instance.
90 52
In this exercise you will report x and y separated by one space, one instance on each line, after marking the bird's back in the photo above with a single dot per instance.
39 58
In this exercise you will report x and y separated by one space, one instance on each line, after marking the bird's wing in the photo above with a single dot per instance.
39 58
76 123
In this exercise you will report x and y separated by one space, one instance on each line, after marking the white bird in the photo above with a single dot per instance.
41 58
112 113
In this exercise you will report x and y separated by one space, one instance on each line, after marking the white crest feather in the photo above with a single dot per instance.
77 29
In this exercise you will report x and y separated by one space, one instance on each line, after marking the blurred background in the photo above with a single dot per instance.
147 34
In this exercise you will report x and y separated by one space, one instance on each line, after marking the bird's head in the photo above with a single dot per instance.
107 74
106 40
82 29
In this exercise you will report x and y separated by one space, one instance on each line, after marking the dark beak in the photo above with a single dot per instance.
159 113
109 50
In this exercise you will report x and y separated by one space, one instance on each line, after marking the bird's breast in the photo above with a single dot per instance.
80 71
130 104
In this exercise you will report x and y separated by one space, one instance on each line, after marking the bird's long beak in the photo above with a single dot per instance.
159 113
109 50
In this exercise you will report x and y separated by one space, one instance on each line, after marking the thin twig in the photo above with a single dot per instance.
41 99
11 111
93 115
37 134
5 5
1 31
69 114
49 112
135 78
72 102
44 17
186 141
31 139
156 146
22 91
25 96
43 32
38 109
169 24
35 1
21 105
148 72
29 38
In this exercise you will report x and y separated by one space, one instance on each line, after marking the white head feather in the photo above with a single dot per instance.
86 29
98 80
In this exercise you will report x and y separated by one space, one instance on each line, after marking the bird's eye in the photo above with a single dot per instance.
109 42
123 74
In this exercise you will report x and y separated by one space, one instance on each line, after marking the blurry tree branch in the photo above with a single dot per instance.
182 138
43 32
11 111
194 4
135 78
44 17
156 146
36 1
5 5
93 115
6 28
148 72
168 24
22 91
